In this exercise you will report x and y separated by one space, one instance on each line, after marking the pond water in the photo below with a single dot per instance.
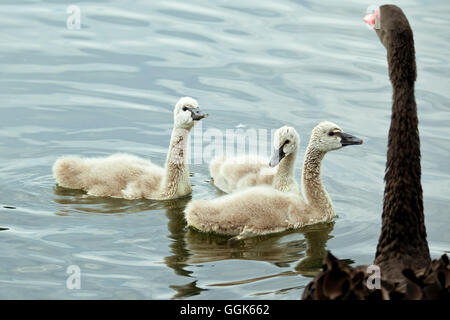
111 85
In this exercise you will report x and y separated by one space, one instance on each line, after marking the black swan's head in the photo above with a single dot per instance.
386 21
395 33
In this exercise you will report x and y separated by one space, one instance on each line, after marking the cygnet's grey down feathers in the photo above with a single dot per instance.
130 177
236 173
263 209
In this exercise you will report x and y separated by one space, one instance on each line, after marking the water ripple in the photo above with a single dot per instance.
111 87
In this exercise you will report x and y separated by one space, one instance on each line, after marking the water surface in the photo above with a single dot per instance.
111 86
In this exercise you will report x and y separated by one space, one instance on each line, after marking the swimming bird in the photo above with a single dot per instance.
130 177
262 209
233 173
402 254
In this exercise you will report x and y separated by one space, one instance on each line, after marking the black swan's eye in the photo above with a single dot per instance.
331 133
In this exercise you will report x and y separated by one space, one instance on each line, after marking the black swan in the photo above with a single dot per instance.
402 254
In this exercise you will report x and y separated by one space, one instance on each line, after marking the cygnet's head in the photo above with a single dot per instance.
285 142
187 113
327 136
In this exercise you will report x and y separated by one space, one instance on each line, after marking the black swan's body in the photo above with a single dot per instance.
402 252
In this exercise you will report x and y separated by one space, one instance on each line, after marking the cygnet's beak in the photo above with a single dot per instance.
197 114
277 155
348 139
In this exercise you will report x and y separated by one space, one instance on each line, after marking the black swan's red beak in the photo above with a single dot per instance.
371 18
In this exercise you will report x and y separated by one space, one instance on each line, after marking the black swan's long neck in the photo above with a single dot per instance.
403 240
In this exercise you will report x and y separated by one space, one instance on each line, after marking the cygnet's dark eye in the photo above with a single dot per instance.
331 133
185 108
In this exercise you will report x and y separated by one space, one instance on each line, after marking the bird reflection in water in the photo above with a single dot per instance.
191 247
73 200
307 245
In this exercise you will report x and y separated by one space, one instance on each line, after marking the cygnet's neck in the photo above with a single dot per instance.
284 178
314 192
176 179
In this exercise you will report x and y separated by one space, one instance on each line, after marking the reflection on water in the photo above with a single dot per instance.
77 200
204 247
316 238
305 247
110 87
191 247
187 290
